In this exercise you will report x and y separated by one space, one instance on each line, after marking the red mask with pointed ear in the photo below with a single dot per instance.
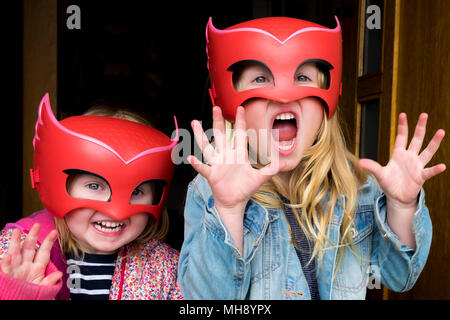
122 152
282 45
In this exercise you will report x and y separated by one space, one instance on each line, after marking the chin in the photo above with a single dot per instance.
107 248
289 167
291 161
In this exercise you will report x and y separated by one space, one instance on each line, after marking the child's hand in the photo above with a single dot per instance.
229 173
28 264
402 178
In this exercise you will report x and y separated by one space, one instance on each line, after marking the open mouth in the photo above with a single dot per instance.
284 131
108 226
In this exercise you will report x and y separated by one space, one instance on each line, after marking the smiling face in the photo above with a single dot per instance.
96 232
288 129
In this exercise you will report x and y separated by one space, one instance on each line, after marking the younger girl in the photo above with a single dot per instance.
311 224
103 179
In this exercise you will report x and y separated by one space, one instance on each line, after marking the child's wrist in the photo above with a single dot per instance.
233 209
233 218
401 205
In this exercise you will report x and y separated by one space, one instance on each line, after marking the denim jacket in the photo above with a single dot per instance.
211 267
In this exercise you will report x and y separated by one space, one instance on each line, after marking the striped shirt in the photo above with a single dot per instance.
303 250
90 278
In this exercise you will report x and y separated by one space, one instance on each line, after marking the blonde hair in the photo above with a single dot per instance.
69 244
324 174
119 113
326 171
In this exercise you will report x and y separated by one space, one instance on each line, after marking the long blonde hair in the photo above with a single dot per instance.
69 244
327 171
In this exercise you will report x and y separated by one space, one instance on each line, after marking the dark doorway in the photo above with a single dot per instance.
11 128
149 56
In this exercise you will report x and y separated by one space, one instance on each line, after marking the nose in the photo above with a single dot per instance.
103 216
284 102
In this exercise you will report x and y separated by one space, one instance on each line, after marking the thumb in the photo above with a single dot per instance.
372 166
199 166
52 278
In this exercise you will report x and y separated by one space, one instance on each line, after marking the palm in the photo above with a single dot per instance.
404 175
232 183
229 173
26 263
30 272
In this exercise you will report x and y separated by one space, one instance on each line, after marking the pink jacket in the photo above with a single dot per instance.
149 274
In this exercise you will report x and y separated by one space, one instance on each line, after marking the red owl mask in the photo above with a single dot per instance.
122 152
282 45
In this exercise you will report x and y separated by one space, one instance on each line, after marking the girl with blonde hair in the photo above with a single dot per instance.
303 220
103 179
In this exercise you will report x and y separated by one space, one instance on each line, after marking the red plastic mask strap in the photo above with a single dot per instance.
212 95
34 175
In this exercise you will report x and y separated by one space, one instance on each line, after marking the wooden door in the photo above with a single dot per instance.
412 76
39 77
423 85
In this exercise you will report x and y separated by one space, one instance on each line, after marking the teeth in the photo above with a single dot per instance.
107 226
285 116
110 224
287 147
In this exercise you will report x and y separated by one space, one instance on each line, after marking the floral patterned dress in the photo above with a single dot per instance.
148 272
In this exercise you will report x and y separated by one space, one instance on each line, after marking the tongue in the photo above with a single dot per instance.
284 130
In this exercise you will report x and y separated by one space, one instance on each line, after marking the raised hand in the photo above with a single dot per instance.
405 173
229 173
26 263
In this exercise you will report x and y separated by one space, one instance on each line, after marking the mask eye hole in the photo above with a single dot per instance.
313 73
82 184
251 74
149 192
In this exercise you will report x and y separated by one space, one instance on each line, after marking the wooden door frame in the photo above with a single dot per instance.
380 85
39 77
